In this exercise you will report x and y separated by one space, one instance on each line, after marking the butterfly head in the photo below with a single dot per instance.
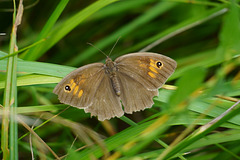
108 60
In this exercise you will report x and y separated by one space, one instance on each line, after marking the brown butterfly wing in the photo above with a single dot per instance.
140 76
134 95
83 83
91 89
106 103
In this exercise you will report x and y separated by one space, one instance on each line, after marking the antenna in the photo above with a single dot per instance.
101 50
97 48
114 45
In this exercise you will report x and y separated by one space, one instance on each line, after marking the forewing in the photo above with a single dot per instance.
143 67
106 104
83 83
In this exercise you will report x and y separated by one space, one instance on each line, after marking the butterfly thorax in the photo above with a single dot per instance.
111 71
110 66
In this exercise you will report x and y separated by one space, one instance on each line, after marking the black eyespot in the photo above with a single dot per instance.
159 64
67 88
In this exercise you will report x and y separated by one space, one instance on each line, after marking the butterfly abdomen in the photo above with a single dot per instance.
115 83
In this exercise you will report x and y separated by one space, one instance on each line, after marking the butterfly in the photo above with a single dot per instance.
131 81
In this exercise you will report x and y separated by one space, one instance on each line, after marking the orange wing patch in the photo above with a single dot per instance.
151 74
152 63
80 93
153 69
75 90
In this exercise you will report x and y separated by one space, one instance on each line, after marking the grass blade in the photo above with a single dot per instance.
152 13
32 54
65 27
202 131
11 89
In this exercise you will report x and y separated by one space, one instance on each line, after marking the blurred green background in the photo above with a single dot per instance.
202 36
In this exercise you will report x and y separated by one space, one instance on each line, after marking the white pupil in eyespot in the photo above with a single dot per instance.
67 88
159 64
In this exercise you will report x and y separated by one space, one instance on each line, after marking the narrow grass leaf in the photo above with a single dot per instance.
21 50
202 131
33 80
188 83
13 145
10 94
155 11
117 140
230 33
177 29
63 28
33 53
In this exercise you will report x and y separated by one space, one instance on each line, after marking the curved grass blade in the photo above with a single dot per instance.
62 29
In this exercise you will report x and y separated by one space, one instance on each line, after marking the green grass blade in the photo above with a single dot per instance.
230 33
13 114
67 26
21 50
152 13
196 77
179 28
13 138
10 95
34 80
201 132
32 54
6 108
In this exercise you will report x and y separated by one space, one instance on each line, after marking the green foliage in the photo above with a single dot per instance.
202 36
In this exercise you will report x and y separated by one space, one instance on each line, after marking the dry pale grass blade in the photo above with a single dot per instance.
108 127
215 120
227 98
145 133
86 135
169 87
199 133
19 15
39 138
183 29
30 143
30 138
